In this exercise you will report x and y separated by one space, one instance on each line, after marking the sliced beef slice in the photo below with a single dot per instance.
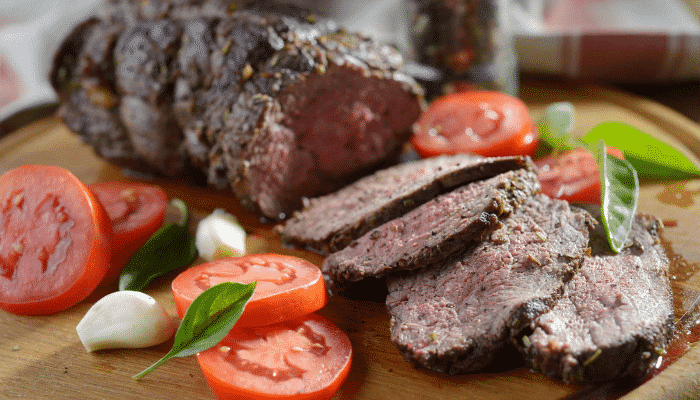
145 67
329 223
616 317
455 316
434 231
84 79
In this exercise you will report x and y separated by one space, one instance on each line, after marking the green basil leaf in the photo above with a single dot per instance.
170 248
620 193
555 125
651 157
207 320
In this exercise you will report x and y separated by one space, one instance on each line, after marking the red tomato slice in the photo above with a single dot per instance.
480 122
287 287
572 176
55 240
307 358
136 211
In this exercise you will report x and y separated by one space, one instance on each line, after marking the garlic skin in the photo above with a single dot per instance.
125 319
219 235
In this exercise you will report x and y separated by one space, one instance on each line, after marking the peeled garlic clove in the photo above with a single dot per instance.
220 235
125 319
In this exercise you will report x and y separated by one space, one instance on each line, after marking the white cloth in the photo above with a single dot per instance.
30 33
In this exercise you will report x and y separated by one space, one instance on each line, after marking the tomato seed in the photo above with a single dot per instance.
18 199
128 195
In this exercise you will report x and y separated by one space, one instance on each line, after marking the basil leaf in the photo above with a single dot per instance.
555 125
620 193
652 158
207 320
170 248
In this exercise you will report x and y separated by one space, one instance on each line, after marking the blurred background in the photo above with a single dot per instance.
647 47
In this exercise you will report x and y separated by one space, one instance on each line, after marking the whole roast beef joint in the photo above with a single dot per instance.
269 102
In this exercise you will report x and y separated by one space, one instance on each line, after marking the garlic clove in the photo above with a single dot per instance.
125 319
220 235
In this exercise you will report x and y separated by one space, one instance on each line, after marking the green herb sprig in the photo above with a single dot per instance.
170 248
207 321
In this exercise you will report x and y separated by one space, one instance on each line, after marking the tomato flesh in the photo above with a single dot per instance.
480 122
287 287
572 176
306 358
54 242
136 212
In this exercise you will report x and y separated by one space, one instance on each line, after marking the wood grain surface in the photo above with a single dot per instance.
42 357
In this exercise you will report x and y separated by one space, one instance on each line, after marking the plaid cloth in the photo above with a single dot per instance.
613 40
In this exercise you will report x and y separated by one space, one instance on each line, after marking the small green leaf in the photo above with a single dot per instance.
652 158
555 125
207 320
170 248
620 193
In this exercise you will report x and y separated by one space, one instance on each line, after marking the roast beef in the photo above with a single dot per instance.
455 316
434 231
84 78
616 317
329 223
275 107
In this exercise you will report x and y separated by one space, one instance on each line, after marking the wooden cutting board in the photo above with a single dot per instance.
42 357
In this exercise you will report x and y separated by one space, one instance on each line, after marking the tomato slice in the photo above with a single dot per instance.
572 176
55 240
287 287
481 122
136 211
308 358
